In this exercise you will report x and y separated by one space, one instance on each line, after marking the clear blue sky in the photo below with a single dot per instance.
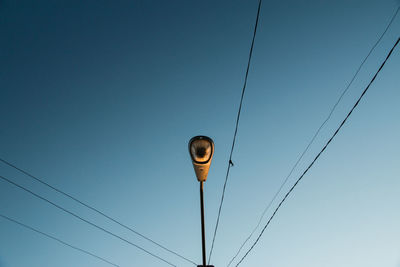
99 98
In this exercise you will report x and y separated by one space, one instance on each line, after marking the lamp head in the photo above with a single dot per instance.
201 149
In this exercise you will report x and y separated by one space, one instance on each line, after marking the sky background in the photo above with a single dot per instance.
99 98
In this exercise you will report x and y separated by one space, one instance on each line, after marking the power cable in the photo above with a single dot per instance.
58 240
230 163
323 149
84 220
95 210
315 135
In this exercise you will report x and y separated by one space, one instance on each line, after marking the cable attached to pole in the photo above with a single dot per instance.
314 136
230 163
95 210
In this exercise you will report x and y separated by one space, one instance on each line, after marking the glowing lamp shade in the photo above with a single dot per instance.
201 149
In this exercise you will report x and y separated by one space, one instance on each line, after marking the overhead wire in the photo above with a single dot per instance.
58 240
230 163
95 210
84 220
315 135
319 154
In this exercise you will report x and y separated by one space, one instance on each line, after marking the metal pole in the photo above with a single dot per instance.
203 232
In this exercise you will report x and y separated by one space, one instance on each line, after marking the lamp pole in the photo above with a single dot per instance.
201 150
203 231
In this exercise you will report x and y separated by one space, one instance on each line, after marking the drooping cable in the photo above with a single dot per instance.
84 220
58 240
94 209
319 154
314 136
236 128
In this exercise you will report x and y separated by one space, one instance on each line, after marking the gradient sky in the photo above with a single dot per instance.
99 98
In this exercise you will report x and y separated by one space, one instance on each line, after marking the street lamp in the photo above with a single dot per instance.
201 149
